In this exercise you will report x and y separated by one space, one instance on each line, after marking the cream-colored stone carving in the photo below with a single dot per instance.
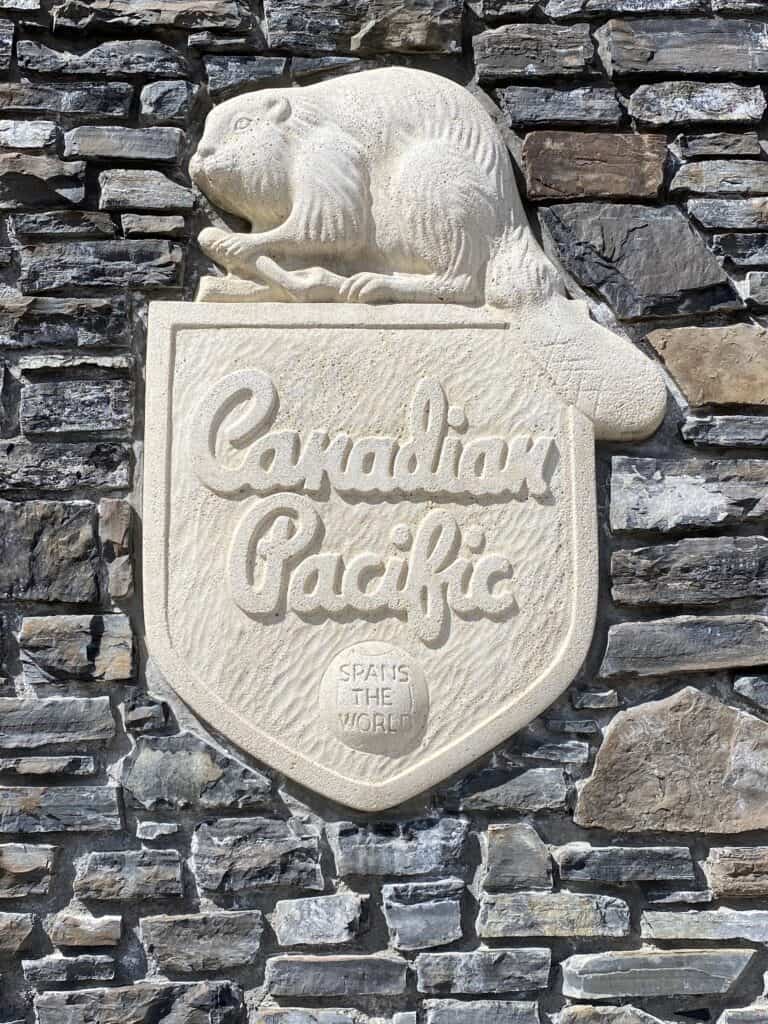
370 532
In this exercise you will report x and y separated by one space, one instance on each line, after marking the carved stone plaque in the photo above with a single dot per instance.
370 531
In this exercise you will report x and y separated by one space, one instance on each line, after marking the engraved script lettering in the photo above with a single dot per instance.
272 568
238 411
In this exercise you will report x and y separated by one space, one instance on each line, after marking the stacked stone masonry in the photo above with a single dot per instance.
607 865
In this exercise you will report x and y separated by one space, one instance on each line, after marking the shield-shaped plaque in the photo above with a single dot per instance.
370 532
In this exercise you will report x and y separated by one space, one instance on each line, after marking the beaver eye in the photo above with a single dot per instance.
241 124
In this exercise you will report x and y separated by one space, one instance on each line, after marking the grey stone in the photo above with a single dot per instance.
569 752
736 872
151 830
709 766
537 789
482 971
433 26
578 726
582 1014
296 1015
95 14
576 165
644 261
571 915
73 764
128 875
74 406
144 1002
118 57
740 214
25 870
515 858
688 46
480 1011
687 643
76 927
617 865
36 809
15 930
110 142
27 322
48 551
94 647
168 101
115 540
596 700
540 104
28 134
59 266
146 225
506 10
756 1013
723 144
44 721
686 102
754 688
7 29
421 915
144 714
212 941
251 40
109 100
742 250
723 177
60 970
28 181
335 975
142 190
61 224
659 972
318 920
183 771
665 495
665 897
250 854
533 51
697 571
718 925
401 848
229 73
60 467
310 67
756 289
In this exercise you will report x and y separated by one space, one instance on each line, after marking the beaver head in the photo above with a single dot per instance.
244 159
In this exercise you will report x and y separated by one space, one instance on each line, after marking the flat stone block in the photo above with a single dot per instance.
483 971
142 190
716 144
723 177
40 721
133 263
335 975
738 214
552 914
421 915
480 1011
409 848
31 182
128 875
537 789
515 858
685 102
90 647
63 466
199 1002
49 971
318 920
619 865
72 927
577 165
116 143
109 100
224 15
211 941
718 925
25 870
77 406
123 57
540 104
35 809
662 972
735 872
533 51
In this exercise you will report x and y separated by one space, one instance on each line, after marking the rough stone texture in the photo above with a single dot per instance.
723 177
737 873
56 266
756 289
754 688
407 848
671 972
73 927
537 789
433 26
147 225
481 1011
707 765
692 147
40 722
645 261
149 1002
72 764
250 854
693 46
666 495
533 51
580 1014
212 941
37 181
15 930
111 100
48 551
569 165
696 571
318 920
28 227
516 858
142 190
534 105
705 925
61 467
617 865
161 145
526 915
420 915
129 875
483 971
216 14
34 809
182 771
304 976
687 643
25 870
167 101
49 971
26 321
112 59
77 406
742 250
96 647
691 102
230 73
28 134
115 538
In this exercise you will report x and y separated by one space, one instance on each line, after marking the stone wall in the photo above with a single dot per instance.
614 853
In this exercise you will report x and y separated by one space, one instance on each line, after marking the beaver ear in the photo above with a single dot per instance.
279 109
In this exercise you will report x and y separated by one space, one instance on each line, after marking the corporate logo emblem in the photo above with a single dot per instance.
370 536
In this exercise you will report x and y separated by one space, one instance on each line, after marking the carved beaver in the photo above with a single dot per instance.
386 185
